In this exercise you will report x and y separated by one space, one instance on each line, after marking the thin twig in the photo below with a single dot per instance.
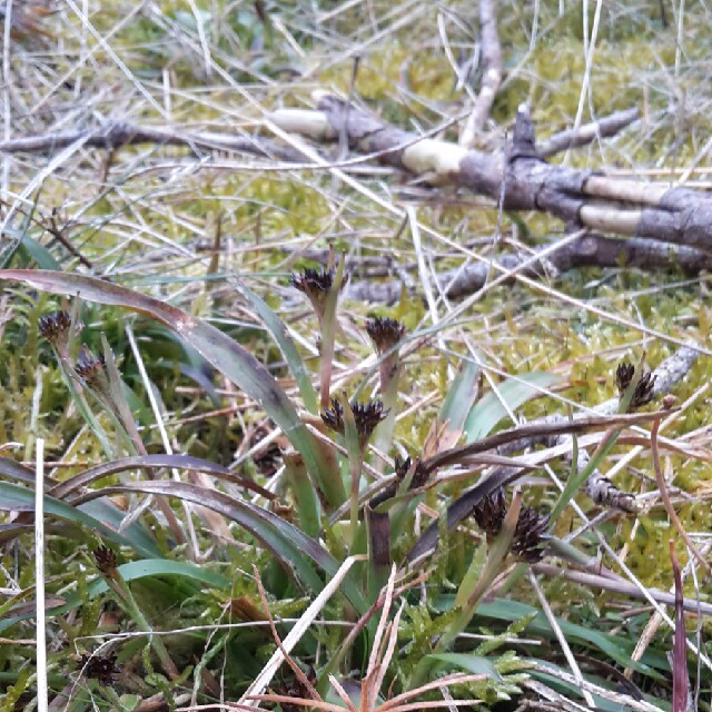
298 672
603 128
41 630
307 618
563 643
492 76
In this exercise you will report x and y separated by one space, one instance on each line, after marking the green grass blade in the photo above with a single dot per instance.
15 471
143 462
476 664
617 647
577 478
37 252
489 410
132 571
286 345
458 400
304 493
481 575
21 499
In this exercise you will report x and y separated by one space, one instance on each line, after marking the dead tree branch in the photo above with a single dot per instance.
115 135
603 128
591 250
491 77
580 197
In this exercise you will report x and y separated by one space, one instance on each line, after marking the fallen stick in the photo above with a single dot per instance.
579 197
621 586
603 128
592 250
117 134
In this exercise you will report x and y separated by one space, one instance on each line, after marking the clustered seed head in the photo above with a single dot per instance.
100 667
644 391
55 327
367 417
420 475
644 388
401 467
316 284
384 332
334 416
529 533
528 536
624 375
313 280
105 560
90 367
489 512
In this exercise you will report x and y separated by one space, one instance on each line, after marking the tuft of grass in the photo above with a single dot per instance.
237 363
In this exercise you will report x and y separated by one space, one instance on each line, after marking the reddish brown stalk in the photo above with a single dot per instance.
680 675
537 430
362 622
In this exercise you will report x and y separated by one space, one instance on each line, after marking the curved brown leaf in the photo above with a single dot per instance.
183 462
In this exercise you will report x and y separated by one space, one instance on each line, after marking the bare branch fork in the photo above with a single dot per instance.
579 197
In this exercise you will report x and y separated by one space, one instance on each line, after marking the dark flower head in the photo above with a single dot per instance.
99 667
529 535
367 417
105 560
401 467
90 368
316 284
55 325
384 332
267 458
313 280
489 512
644 387
624 375
56 328
334 416
644 391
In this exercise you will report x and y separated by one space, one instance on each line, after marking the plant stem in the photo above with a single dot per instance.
126 599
